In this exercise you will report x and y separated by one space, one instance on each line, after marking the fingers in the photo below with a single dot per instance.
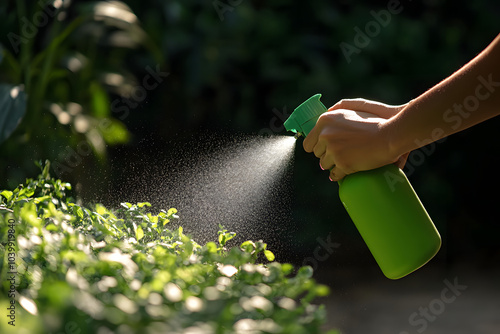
374 107
326 161
311 140
312 143
352 104
336 174
319 149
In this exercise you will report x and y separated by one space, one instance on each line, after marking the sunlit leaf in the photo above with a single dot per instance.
113 131
7 194
322 290
52 227
29 214
269 255
78 211
211 247
100 209
248 246
139 233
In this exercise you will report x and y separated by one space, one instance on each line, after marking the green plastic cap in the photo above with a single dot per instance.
305 116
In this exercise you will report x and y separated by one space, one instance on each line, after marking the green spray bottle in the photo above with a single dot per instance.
383 205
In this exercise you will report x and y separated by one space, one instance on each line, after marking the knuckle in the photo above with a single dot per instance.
323 117
343 165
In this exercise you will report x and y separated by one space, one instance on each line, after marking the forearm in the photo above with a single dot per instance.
469 96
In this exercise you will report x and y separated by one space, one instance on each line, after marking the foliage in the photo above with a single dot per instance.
13 106
93 270
64 80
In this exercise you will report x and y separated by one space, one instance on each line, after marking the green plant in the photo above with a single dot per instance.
90 269
62 66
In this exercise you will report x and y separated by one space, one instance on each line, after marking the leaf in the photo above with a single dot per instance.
188 248
171 212
100 209
100 101
306 272
45 171
52 209
211 247
78 211
269 255
139 233
322 290
52 227
248 246
286 268
28 214
25 192
126 205
7 194
13 108
230 235
114 131
41 199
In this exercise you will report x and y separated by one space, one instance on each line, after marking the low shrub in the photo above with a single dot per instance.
88 269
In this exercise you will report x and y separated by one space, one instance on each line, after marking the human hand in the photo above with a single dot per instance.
351 136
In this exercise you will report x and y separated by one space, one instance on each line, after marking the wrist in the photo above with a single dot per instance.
394 138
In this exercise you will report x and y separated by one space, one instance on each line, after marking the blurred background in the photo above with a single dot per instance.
111 92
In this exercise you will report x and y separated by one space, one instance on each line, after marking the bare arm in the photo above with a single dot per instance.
469 96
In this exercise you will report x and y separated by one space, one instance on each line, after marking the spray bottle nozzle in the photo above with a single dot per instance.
297 135
304 117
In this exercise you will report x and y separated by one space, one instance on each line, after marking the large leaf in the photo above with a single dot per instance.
12 109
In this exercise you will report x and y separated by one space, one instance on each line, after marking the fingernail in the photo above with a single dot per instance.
321 166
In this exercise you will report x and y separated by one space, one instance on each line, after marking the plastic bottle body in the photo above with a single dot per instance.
391 219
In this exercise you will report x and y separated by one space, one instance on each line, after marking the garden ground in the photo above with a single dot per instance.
375 305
